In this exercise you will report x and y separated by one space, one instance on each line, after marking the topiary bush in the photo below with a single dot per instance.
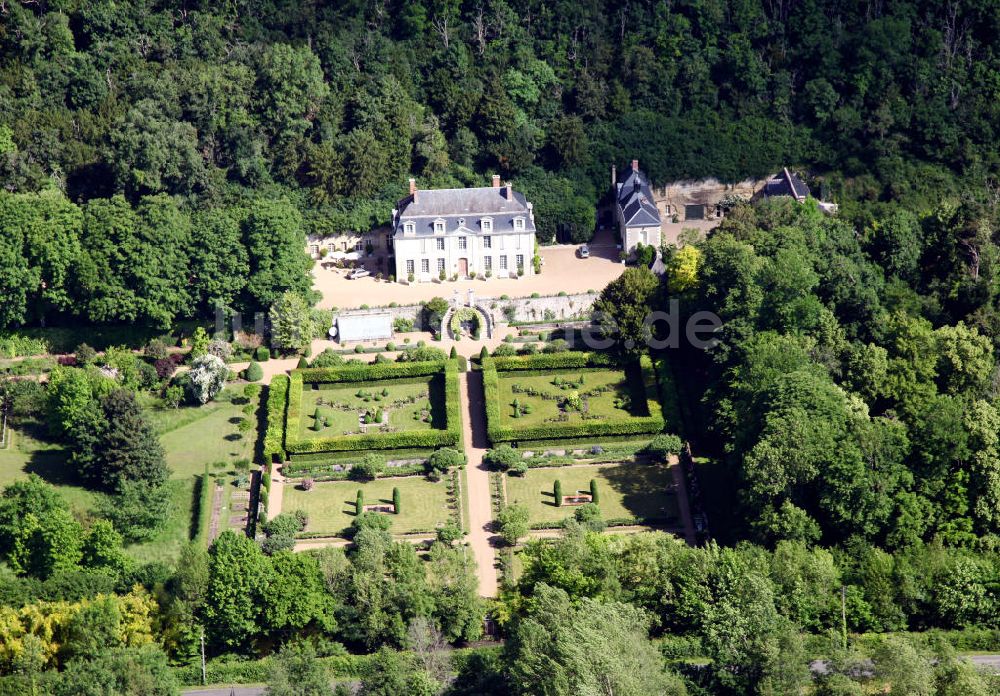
359 503
557 492
594 497
395 500
262 354
254 372
664 446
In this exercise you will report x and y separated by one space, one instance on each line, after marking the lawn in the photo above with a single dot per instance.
624 490
330 505
564 396
193 436
341 407
29 454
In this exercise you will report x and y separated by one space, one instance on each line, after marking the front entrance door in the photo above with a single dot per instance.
463 267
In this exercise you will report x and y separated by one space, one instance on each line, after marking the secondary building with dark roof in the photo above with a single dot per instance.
635 209
784 183
487 231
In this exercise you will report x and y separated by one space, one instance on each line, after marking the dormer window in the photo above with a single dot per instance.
439 227
519 224
487 225
461 222
409 228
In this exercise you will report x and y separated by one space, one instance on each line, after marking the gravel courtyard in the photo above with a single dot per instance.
562 271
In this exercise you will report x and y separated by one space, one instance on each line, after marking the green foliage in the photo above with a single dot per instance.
277 402
254 372
444 459
513 521
292 326
557 493
630 425
395 500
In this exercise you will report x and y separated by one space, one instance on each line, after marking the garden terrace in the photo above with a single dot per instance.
384 406
626 493
569 395
331 506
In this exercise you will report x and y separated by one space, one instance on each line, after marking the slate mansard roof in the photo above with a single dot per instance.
635 199
463 209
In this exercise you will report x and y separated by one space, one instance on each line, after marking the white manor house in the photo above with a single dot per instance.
484 232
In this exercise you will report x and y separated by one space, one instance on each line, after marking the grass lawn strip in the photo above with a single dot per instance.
624 490
330 505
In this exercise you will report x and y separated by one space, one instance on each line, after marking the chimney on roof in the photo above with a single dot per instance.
508 192
413 189
614 176
496 181
635 165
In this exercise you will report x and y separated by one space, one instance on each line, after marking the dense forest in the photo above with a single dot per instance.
159 157
145 129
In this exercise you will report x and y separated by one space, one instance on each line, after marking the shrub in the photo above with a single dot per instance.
484 353
504 350
520 468
589 516
449 533
557 346
220 349
395 500
251 391
262 354
557 492
663 446
370 466
85 354
502 458
308 483
155 349
453 354
594 496
444 459
165 368
206 378
302 363
359 348
254 372
371 520
328 358
359 503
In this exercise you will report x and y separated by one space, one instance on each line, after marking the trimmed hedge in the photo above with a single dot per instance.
450 436
206 491
277 402
632 425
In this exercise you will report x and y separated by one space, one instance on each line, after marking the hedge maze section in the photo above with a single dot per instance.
569 395
370 407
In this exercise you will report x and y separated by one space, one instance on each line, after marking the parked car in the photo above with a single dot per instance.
584 252
358 273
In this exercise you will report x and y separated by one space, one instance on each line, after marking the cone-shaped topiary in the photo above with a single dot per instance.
593 491
359 503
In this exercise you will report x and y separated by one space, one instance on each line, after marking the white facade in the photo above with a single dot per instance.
465 254
486 232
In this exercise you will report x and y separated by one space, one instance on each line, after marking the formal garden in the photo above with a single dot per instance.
382 406
569 395
625 493
412 504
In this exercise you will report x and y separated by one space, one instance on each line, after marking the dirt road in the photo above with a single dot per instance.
478 481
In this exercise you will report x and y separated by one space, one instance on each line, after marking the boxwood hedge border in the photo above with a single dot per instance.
450 436
277 403
654 422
